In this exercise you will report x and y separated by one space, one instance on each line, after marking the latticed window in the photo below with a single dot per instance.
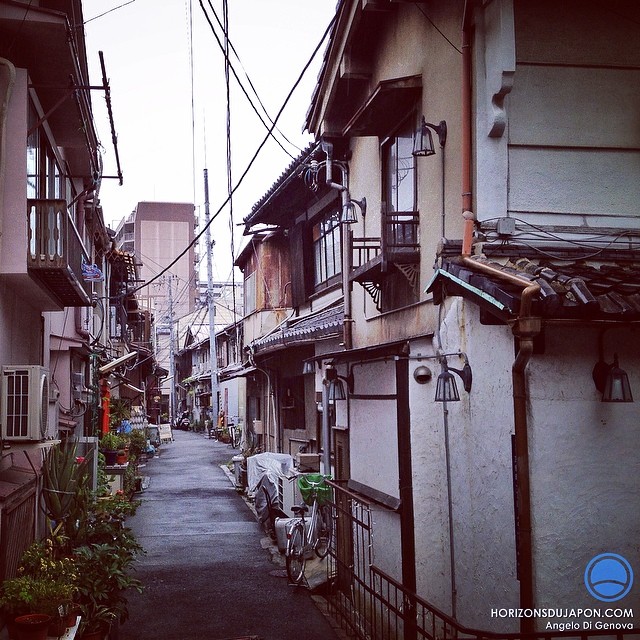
326 248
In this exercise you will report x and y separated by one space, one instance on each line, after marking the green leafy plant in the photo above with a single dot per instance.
66 486
111 441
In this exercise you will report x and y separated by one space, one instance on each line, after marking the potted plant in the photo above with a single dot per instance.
96 621
47 581
27 596
110 443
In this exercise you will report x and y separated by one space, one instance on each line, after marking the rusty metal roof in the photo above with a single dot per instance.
582 289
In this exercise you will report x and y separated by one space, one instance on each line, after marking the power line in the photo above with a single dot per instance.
253 158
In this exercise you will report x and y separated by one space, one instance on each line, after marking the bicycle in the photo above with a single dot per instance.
312 535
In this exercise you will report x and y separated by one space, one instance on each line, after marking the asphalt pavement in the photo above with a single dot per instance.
207 571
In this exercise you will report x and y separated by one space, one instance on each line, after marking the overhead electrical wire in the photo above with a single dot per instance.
225 53
251 161
255 92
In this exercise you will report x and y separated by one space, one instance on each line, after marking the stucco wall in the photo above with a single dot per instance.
585 464
584 469
479 429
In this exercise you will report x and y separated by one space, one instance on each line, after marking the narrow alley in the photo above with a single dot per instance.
205 572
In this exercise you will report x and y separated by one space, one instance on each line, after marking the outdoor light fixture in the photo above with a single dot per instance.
612 381
308 367
335 386
349 211
336 390
423 139
446 388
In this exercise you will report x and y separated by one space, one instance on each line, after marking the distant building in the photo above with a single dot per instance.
156 233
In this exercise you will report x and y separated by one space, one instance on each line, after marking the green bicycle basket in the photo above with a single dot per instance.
324 493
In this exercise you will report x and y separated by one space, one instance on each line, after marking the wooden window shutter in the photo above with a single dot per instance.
301 263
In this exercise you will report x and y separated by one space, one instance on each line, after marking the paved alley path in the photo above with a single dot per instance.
206 575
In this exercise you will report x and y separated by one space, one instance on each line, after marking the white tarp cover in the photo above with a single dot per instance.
273 465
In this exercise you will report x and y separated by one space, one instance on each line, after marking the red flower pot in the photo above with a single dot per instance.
33 626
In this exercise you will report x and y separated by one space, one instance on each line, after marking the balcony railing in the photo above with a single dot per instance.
399 243
55 252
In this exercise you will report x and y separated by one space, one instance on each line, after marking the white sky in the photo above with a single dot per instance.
146 46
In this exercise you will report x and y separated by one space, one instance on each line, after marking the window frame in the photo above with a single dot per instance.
387 144
326 268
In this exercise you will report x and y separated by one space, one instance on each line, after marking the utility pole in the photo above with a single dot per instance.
172 362
213 359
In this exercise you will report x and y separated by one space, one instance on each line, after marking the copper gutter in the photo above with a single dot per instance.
525 329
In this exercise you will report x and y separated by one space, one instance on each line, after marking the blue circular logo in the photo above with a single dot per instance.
608 577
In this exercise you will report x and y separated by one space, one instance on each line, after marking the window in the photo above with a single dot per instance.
399 171
250 293
44 177
326 248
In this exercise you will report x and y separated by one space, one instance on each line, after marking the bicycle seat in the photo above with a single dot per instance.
299 508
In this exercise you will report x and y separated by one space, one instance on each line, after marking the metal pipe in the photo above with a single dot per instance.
467 213
526 328
327 147
326 428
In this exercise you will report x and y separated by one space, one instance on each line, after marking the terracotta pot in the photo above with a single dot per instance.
57 627
72 615
33 626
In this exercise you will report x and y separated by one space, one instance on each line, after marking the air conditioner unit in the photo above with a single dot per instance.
25 402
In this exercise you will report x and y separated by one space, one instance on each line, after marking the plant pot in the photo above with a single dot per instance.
57 627
121 458
72 615
33 626
110 457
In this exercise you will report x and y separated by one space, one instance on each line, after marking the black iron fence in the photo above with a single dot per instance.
371 605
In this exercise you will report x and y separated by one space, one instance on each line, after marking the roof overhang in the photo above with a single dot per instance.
390 101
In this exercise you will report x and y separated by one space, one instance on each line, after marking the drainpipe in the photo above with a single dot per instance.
7 81
525 329
343 187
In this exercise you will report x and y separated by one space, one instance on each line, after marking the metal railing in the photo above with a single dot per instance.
371 605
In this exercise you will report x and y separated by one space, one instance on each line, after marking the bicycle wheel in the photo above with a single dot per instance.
295 554
325 531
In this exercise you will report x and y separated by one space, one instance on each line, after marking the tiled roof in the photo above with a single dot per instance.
322 324
580 289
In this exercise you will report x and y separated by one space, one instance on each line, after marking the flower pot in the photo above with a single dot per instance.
72 615
121 458
33 626
57 627
110 457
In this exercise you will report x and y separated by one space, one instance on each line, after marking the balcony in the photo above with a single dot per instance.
398 245
55 252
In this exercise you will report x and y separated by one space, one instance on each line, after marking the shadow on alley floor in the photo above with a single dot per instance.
206 574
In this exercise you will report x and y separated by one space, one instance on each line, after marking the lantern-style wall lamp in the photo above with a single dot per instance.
612 381
446 387
423 138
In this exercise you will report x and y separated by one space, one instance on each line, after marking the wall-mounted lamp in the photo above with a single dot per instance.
349 215
423 139
307 367
336 390
446 388
612 381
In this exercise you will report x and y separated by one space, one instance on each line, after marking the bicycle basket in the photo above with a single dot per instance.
315 481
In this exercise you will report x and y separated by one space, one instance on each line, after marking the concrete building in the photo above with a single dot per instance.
161 236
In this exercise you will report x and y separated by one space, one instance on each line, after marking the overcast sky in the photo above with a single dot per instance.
161 122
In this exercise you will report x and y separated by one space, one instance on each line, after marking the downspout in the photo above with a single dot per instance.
7 81
343 187
525 329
